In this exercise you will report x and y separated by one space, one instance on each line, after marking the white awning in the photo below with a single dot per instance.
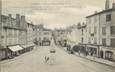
15 48
28 45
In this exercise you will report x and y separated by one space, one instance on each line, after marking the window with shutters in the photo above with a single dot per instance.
104 41
108 17
113 30
103 30
113 42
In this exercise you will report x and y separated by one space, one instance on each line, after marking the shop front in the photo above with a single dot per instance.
108 53
14 51
46 43
92 50
3 53
28 47
101 54
76 48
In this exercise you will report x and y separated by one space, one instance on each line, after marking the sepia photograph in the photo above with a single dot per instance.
57 35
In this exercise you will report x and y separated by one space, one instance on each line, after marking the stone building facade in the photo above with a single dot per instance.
44 36
31 31
100 30
60 36
82 28
0 24
13 32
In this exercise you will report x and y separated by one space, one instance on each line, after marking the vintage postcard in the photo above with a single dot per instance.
57 35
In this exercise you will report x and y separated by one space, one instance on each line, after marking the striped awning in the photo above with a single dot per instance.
15 48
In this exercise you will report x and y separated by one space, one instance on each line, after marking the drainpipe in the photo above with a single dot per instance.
99 38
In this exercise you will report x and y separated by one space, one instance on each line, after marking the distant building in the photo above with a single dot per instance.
83 33
30 33
74 36
60 36
44 36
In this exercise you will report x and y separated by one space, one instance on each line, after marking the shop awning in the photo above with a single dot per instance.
92 46
28 45
15 48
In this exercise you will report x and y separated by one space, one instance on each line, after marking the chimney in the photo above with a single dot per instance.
22 21
107 4
18 19
10 19
113 6
22 18
10 15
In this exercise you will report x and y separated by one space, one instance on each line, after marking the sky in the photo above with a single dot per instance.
53 13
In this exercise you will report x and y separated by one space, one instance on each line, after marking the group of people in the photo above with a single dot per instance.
50 57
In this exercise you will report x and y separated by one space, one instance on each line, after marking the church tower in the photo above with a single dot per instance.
107 4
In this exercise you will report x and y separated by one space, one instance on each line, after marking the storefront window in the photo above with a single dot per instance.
108 55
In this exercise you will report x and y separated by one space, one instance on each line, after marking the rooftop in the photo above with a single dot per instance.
103 11
45 29
4 17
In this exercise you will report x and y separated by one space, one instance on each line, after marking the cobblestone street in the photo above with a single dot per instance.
34 62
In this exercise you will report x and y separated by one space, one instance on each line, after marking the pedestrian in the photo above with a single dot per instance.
79 52
46 59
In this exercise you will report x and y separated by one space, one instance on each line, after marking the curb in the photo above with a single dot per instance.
112 65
